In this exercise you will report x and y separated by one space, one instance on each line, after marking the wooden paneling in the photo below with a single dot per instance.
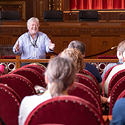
62 42
27 8
97 36
103 43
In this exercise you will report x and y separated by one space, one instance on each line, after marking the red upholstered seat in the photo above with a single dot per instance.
88 82
36 67
39 64
86 93
107 73
9 57
105 77
117 89
9 105
21 85
122 95
86 72
68 110
32 75
107 57
114 79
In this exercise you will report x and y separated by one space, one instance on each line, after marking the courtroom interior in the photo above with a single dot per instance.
98 24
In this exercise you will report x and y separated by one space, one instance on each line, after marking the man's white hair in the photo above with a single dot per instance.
32 19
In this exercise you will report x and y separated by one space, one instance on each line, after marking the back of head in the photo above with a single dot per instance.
78 45
76 56
121 48
60 73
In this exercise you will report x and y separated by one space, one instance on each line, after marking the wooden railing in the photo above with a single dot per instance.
17 62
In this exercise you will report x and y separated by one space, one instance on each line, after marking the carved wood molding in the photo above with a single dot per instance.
83 31
67 31
55 5
41 7
13 31
18 5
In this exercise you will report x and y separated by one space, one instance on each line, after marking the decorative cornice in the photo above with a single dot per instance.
68 30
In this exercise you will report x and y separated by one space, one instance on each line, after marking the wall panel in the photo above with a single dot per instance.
98 37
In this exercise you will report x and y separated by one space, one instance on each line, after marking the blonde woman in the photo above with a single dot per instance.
76 56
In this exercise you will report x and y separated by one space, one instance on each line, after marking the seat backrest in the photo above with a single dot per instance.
39 64
53 15
107 73
86 72
9 105
36 67
9 15
32 75
88 15
105 77
88 82
21 85
82 91
115 92
107 57
114 80
9 57
122 95
68 110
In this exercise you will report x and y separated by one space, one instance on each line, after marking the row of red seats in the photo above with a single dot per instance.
116 87
86 105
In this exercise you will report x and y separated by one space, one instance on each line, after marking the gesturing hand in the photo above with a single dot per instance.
51 45
17 46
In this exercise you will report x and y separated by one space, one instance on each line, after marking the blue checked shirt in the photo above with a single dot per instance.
27 46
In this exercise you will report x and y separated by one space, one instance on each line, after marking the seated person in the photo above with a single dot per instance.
91 68
59 75
76 56
118 113
114 71
119 55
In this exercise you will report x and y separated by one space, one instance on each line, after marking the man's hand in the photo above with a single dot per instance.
17 46
51 45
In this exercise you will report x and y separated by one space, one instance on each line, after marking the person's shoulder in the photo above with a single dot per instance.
120 105
24 35
41 33
111 64
90 65
28 98
121 102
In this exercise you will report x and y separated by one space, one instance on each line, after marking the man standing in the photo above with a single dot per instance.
33 44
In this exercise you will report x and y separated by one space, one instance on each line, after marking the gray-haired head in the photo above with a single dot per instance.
121 47
32 19
61 74
78 45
